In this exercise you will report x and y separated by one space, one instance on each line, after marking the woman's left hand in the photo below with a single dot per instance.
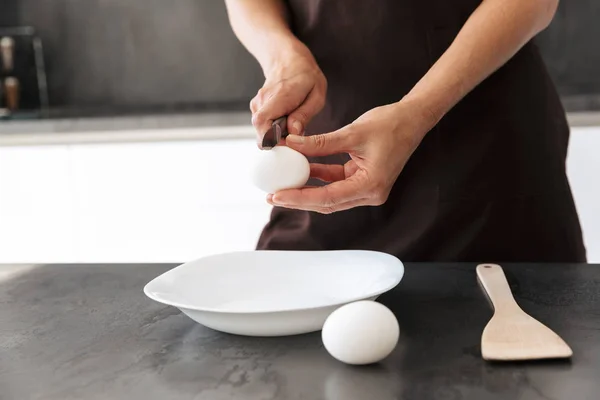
379 142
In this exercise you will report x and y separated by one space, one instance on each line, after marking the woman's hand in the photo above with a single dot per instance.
295 88
294 84
379 143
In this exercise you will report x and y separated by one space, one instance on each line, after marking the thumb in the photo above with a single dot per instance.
340 141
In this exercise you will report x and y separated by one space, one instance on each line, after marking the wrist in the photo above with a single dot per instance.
285 52
424 115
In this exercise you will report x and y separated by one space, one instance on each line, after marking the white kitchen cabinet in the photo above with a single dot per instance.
170 201
583 167
167 201
36 204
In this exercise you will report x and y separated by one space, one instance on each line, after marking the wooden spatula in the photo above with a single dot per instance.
511 334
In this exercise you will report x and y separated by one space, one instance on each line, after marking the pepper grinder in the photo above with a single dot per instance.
7 53
11 89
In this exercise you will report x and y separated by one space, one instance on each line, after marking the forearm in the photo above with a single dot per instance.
263 28
490 37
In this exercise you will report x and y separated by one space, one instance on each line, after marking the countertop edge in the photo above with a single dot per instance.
205 126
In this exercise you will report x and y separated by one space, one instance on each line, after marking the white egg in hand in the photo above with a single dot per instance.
360 333
280 168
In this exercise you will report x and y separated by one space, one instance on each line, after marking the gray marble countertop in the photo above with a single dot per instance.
88 332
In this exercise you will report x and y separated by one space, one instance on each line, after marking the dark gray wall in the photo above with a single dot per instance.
8 12
140 52
162 52
571 47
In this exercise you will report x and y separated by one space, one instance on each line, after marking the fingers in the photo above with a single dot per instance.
299 96
340 141
326 197
342 207
327 173
329 210
311 106
350 168
274 107
333 173
254 104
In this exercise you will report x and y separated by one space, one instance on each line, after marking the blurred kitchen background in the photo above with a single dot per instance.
125 135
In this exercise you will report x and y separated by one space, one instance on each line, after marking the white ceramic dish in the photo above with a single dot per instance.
274 293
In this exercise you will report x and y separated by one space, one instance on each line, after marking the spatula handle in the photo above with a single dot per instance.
495 284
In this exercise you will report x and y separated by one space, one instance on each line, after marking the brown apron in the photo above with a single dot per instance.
487 184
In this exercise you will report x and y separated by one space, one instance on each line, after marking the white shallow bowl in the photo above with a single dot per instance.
274 293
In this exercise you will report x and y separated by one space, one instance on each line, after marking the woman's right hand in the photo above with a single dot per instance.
295 88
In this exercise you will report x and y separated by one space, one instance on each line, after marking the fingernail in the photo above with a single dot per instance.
272 200
297 127
275 199
295 139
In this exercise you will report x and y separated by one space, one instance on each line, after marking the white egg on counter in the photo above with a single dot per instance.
360 333
280 168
